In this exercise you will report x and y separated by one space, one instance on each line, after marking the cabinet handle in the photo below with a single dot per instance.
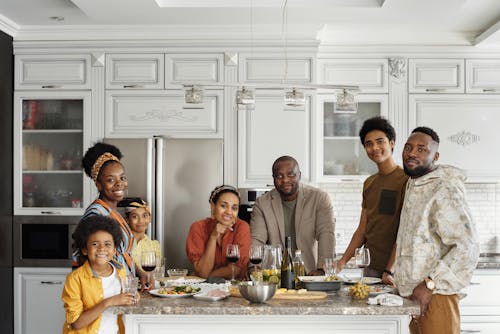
51 212
51 282
351 180
51 86
474 283
490 90
132 86
435 90
467 331
269 185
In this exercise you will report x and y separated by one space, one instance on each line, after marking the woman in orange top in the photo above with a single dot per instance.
208 238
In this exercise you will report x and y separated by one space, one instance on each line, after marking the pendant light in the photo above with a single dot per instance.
346 102
193 94
295 99
245 99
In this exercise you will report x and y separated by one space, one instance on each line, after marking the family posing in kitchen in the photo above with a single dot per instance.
414 220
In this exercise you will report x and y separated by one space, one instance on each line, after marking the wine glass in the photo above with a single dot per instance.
330 267
232 255
256 254
148 262
362 259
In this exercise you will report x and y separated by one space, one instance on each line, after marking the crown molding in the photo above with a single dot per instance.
8 26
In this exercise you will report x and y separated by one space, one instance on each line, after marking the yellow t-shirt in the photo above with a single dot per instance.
145 244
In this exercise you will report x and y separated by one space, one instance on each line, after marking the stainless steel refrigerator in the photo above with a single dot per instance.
176 177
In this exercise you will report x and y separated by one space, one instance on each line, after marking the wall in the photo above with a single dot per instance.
483 199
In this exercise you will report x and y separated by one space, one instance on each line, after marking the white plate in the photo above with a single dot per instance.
183 281
380 289
318 279
164 295
202 296
366 280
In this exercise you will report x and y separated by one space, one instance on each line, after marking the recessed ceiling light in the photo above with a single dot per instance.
56 18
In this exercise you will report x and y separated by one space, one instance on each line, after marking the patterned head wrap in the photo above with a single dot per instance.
219 189
136 205
96 167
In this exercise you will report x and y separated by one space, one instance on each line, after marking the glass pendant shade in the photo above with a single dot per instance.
346 102
193 94
294 98
245 99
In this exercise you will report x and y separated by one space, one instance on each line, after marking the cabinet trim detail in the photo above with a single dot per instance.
464 138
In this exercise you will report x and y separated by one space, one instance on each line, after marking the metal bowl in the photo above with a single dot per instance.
257 293
322 286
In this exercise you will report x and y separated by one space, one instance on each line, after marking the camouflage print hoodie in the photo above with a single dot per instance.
437 236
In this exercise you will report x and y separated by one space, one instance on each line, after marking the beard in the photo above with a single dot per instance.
417 171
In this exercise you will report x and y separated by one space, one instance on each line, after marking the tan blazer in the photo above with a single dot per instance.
314 224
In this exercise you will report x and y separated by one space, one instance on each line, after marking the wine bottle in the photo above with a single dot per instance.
287 274
299 269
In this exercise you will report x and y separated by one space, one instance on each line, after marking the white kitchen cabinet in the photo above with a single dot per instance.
38 307
371 75
51 133
436 75
142 113
263 69
191 68
340 153
269 132
480 309
135 71
483 76
52 72
467 126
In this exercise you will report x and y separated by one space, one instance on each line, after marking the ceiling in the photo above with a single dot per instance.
352 22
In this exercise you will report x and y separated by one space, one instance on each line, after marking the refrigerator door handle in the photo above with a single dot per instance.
158 191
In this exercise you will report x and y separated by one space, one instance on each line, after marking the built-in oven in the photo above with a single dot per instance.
43 241
247 200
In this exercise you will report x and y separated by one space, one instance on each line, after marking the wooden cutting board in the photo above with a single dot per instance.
309 295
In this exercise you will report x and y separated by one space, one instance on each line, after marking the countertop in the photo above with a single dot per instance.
337 303
489 261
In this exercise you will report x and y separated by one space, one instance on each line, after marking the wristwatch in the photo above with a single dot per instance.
429 283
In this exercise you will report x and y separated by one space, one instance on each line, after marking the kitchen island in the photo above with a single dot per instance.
336 314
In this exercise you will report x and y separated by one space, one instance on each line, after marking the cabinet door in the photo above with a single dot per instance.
483 76
371 75
481 325
52 72
268 69
467 126
436 76
193 68
483 295
135 71
51 132
140 114
341 154
38 307
269 132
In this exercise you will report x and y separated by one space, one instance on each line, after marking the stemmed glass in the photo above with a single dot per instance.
148 262
232 255
362 259
256 254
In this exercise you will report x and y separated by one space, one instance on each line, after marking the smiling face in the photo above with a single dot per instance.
225 210
100 249
419 154
286 175
112 183
139 220
378 147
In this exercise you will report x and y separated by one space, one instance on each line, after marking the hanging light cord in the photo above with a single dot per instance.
251 28
284 24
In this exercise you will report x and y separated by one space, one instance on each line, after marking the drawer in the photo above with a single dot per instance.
436 75
135 71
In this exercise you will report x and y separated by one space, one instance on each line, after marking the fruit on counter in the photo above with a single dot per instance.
359 291
291 291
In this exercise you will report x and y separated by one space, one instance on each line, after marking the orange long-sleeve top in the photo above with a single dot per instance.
198 236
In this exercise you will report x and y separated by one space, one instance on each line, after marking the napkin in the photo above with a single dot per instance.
386 299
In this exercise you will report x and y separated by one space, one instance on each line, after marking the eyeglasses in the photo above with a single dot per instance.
291 175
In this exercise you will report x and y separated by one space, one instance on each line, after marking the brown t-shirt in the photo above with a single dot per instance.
383 199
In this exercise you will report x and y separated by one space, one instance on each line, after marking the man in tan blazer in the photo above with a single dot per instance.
292 209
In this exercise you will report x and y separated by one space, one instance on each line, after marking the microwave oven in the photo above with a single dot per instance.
43 241
247 200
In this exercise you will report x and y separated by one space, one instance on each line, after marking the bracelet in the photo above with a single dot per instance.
387 271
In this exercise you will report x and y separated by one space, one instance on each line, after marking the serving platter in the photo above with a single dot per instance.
205 297
156 293
366 280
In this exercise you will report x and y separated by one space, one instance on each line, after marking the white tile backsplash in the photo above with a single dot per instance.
483 199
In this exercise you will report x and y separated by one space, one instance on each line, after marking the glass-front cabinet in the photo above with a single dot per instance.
50 135
341 155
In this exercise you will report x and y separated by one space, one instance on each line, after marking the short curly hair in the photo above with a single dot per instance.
377 123
95 152
428 131
92 224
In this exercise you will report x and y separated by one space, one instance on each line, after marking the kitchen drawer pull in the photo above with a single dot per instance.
489 90
474 283
51 86
132 86
468 331
51 282
51 212
435 90
350 180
